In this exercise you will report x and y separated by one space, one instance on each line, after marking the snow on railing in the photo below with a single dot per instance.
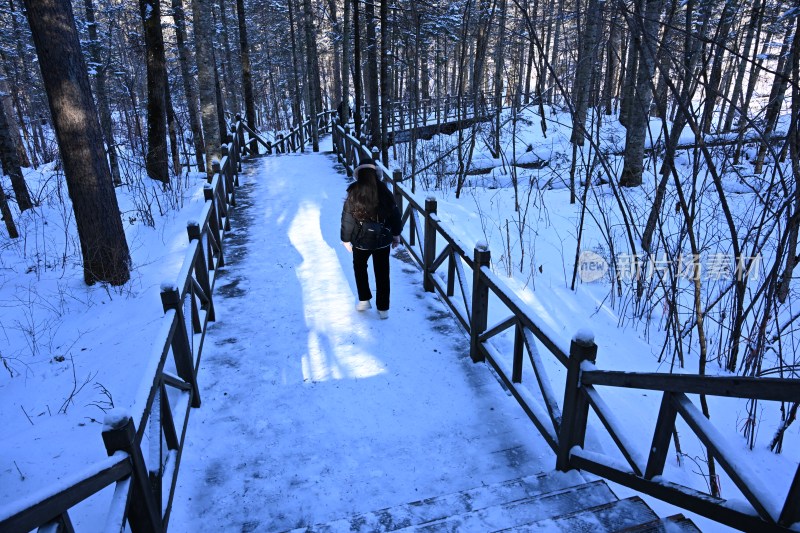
565 430
144 460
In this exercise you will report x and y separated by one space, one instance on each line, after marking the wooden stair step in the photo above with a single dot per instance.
672 524
613 516
523 511
431 509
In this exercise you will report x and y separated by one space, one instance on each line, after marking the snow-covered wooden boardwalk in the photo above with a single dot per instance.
313 411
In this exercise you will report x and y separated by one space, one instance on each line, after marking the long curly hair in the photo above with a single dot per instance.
362 195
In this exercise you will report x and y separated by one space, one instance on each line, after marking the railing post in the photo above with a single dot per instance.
269 147
665 424
397 178
375 154
576 407
335 139
791 509
429 246
203 278
230 190
480 301
143 511
412 228
61 522
239 133
225 152
214 218
516 370
222 203
347 152
181 348
451 273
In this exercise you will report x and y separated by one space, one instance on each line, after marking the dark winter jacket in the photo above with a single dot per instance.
388 214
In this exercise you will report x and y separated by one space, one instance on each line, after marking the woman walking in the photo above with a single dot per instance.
371 224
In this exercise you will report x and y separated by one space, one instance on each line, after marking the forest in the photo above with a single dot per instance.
679 120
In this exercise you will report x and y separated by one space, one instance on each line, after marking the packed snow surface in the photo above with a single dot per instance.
313 411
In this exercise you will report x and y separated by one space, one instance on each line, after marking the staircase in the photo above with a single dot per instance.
554 501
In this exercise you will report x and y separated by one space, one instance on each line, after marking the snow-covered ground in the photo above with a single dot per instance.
290 368
313 411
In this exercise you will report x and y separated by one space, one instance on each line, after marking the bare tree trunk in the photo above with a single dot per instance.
278 102
645 30
101 93
156 158
345 114
612 61
357 80
776 96
247 74
189 89
529 71
297 108
628 83
688 87
7 106
461 69
8 218
80 139
337 34
556 51
481 44
223 125
756 16
386 81
793 140
498 80
587 57
425 72
201 11
11 165
172 131
371 75
715 76
755 66
664 61
228 64
22 71
312 74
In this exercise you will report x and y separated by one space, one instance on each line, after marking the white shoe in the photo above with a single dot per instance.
363 305
383 315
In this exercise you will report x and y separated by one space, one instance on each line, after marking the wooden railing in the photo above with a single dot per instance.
467 285
145 446
429 111
293 141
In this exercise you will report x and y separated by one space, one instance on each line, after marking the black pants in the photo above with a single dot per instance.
380 264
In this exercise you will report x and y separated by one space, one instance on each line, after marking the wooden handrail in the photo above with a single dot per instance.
138 495
772 389
565 431
50 504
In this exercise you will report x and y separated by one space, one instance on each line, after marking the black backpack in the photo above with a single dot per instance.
372 235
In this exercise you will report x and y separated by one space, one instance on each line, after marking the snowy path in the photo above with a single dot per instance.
312 411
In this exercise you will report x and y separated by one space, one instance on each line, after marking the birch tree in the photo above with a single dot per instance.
203 41
644 25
